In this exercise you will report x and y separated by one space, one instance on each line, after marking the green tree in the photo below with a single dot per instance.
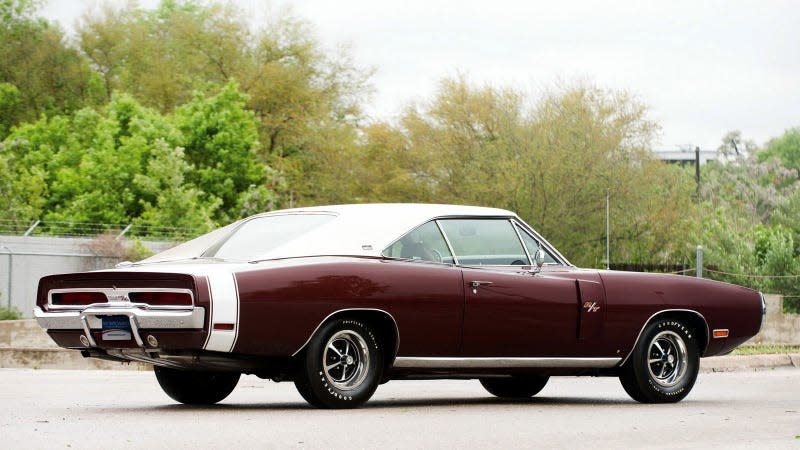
785 148
49 76
127 163
305 99
553 164
220 141
166 196
752 237
9 103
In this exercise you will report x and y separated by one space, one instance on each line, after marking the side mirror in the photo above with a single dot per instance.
538 258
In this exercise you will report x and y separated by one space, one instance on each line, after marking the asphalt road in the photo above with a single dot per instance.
125 409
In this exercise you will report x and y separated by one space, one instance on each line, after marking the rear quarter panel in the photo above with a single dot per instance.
283 302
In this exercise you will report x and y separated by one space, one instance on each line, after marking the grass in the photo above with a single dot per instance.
9 314
766 349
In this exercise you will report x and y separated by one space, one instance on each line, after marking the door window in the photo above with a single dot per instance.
533 245
484 242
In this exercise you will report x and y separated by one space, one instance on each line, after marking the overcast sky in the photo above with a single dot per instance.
703 67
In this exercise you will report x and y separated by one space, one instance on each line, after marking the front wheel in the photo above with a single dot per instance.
195 387
664 364
515 387
341 367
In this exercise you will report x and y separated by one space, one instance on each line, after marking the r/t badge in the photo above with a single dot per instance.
591 307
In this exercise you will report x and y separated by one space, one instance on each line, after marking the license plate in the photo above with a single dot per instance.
116 328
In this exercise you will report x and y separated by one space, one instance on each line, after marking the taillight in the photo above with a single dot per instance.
162 298
77 298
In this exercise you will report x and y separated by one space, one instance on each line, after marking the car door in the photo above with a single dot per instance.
511 310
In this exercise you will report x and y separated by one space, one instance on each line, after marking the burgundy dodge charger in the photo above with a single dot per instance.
339 299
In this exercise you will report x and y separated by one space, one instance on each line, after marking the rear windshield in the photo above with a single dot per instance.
245 240
258 236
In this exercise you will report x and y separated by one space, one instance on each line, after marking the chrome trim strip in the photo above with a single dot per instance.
543 242
446 241
396 329
516 227
503 363
708 332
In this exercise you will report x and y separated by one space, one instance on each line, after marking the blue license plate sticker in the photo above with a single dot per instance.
116 328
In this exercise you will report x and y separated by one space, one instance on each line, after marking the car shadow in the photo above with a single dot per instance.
397 403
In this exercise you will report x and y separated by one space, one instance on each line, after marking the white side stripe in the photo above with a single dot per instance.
225 297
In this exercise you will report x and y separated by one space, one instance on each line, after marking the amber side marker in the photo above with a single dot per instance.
720 333
227 326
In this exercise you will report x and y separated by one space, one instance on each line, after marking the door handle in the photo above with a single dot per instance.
477 283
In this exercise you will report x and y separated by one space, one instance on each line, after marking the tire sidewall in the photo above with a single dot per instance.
317 383
196 387
515 387
652 390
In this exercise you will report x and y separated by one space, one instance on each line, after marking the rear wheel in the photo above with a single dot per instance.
196 387
341 366
515 387
664 364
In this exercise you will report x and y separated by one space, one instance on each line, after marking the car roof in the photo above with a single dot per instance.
367 229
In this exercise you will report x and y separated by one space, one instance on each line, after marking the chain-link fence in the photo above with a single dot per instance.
87 229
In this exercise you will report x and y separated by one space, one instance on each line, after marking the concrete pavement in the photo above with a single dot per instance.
127 409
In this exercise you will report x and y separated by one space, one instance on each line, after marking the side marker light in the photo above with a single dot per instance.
720 333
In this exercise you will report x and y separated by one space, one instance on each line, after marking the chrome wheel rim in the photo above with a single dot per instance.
346 360
667 359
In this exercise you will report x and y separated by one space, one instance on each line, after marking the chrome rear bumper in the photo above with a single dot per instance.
140 315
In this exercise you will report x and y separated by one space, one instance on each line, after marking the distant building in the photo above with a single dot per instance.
686 156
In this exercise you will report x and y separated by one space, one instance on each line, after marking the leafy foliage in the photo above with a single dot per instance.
481 145
10 314
755 225
194 168
40 73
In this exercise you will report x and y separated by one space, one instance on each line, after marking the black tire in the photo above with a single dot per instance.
515 387
194 387
341 366
663 366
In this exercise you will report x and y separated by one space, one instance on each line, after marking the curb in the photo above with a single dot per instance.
59 358
731 363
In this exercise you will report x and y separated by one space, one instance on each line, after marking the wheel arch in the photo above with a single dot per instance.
384 323
692 318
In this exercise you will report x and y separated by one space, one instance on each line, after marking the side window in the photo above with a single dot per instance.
424 243
491 242
532 246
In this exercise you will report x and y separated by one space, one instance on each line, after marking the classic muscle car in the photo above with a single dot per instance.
339 299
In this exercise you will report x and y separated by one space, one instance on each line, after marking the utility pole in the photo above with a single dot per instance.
699 261
697 168
608 261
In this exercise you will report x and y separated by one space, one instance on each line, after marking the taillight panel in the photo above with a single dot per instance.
77 298
162 298
155 297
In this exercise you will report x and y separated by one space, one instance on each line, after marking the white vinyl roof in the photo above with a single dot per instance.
367 229
357 230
